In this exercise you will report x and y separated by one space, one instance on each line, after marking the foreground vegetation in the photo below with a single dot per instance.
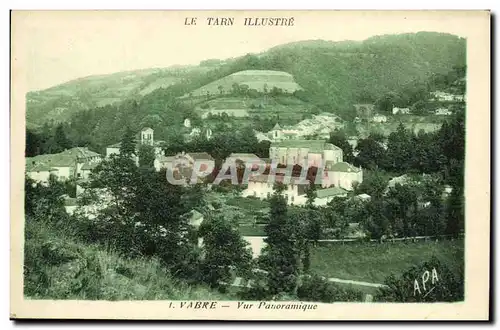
58 266
374 262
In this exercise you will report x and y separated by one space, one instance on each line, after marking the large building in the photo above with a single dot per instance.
71 163
301 152
342 175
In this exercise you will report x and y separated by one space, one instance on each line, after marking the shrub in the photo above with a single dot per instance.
432 281
316 288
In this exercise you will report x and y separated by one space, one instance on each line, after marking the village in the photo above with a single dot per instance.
289 147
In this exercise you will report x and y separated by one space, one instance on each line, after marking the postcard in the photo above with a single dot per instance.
250 165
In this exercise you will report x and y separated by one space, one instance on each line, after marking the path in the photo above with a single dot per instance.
240 282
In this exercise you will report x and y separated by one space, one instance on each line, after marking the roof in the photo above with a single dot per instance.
67 158
341 167
403 179
362 196
200 155
89 166
277 126
146 129
334 191
41 168
313 145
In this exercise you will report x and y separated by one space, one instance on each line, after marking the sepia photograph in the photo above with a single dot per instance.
250 164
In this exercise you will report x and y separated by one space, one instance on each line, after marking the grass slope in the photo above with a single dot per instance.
373 262
57 267
255 79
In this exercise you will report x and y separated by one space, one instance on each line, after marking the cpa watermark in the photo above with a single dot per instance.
272 172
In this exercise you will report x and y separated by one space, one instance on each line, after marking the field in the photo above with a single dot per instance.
255 79
373 262
289 109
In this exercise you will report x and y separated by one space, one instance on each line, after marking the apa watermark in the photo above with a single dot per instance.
270 172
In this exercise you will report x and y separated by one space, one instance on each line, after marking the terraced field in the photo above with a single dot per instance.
255 79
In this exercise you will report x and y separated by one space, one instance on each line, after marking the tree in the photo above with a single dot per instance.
386 102
225 251
376 222
60 140
371 153
399 150
127 145
455 212
339 139
374 184
402 209
146 156
280 257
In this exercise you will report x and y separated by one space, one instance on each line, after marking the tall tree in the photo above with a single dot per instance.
399 149
280 256
128 143
339 139
61 142
146 156
225 251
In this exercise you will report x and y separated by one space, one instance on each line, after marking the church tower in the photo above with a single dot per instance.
147 136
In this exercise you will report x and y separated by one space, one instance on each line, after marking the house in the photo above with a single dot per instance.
87 168
342 175
262 186
446 97
309 152
276 133
443 112
401 111
144 137
379 118
70 205
362 197
64 165
198 132
195 218
324 196
40 172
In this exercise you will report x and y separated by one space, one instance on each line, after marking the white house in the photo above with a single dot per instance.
262 186
276 133
447 97
342 175
324 196
379 118
443 112
402 111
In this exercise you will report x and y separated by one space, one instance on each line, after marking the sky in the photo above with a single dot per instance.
55 47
